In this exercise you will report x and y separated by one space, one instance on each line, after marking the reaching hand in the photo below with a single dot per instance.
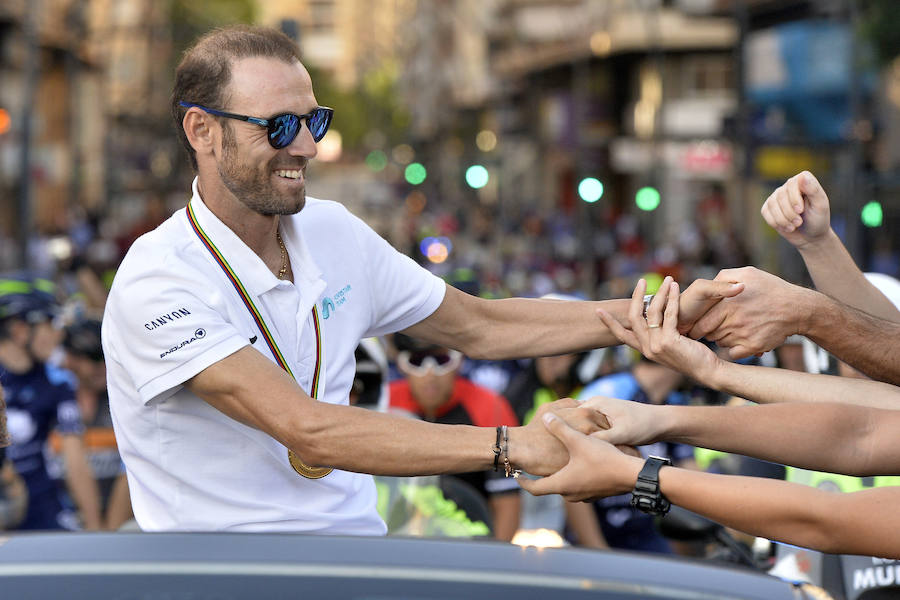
757 320
798 210
595 468
657 336
533 449
700 297
630 423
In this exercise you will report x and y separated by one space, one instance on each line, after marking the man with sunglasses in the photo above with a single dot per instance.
433 390
230 330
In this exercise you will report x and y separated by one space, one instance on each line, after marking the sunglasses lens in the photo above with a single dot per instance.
283 129
442 359
417 359
318 122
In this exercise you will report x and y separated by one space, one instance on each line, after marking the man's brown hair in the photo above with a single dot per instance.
205 69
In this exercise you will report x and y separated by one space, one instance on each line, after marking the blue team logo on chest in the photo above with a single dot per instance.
330 304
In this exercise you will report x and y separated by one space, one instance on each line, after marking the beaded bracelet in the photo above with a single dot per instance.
506 464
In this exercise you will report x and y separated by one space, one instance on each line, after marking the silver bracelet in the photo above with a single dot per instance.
647 299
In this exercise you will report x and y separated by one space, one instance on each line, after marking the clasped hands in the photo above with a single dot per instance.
730 310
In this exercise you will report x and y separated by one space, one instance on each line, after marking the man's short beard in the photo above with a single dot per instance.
255 193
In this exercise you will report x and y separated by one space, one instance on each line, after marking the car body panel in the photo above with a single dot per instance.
233 566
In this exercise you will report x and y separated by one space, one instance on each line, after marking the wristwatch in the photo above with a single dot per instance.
646 496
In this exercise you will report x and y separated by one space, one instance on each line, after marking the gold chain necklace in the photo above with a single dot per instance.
284 263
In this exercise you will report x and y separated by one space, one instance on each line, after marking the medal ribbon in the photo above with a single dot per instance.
298 465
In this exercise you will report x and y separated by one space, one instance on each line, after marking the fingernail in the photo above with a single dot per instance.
549 418
798 221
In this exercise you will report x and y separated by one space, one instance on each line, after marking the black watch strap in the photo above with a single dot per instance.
646 496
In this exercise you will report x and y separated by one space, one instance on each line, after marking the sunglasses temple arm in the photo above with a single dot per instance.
227 115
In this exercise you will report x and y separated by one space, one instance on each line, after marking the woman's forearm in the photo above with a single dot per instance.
766 385
856 523
839 438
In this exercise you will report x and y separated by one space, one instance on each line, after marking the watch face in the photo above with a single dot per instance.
642 503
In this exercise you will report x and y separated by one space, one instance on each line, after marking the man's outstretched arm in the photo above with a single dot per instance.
527 327
254 391
864 341
769 310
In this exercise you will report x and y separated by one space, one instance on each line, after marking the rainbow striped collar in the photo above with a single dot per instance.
247 300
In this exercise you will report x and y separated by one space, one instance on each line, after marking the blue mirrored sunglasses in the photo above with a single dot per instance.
282 128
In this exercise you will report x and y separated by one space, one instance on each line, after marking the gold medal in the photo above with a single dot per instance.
305 470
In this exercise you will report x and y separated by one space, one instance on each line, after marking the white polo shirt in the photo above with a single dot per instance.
172 312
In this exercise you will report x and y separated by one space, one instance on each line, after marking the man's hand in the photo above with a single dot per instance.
799 211
535 450
700 297
662 342
757 320
594 469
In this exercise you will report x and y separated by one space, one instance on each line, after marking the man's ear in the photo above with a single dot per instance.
201 130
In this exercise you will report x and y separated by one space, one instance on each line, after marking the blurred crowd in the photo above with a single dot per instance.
62 469
598 252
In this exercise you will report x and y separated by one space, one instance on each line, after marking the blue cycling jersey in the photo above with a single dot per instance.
39 401
624 526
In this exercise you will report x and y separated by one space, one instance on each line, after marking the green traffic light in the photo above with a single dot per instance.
872 215
477 176
590 189
415 173
647 198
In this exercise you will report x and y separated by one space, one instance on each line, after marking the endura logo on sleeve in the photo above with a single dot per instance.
198 335
166 318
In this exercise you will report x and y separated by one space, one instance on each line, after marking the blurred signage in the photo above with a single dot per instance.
707 157
863 574
697 117
805 69
780 162
799 59
703 159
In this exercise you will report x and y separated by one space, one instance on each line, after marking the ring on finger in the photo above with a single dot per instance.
652 325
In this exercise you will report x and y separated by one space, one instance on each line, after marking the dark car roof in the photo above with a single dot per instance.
230 565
